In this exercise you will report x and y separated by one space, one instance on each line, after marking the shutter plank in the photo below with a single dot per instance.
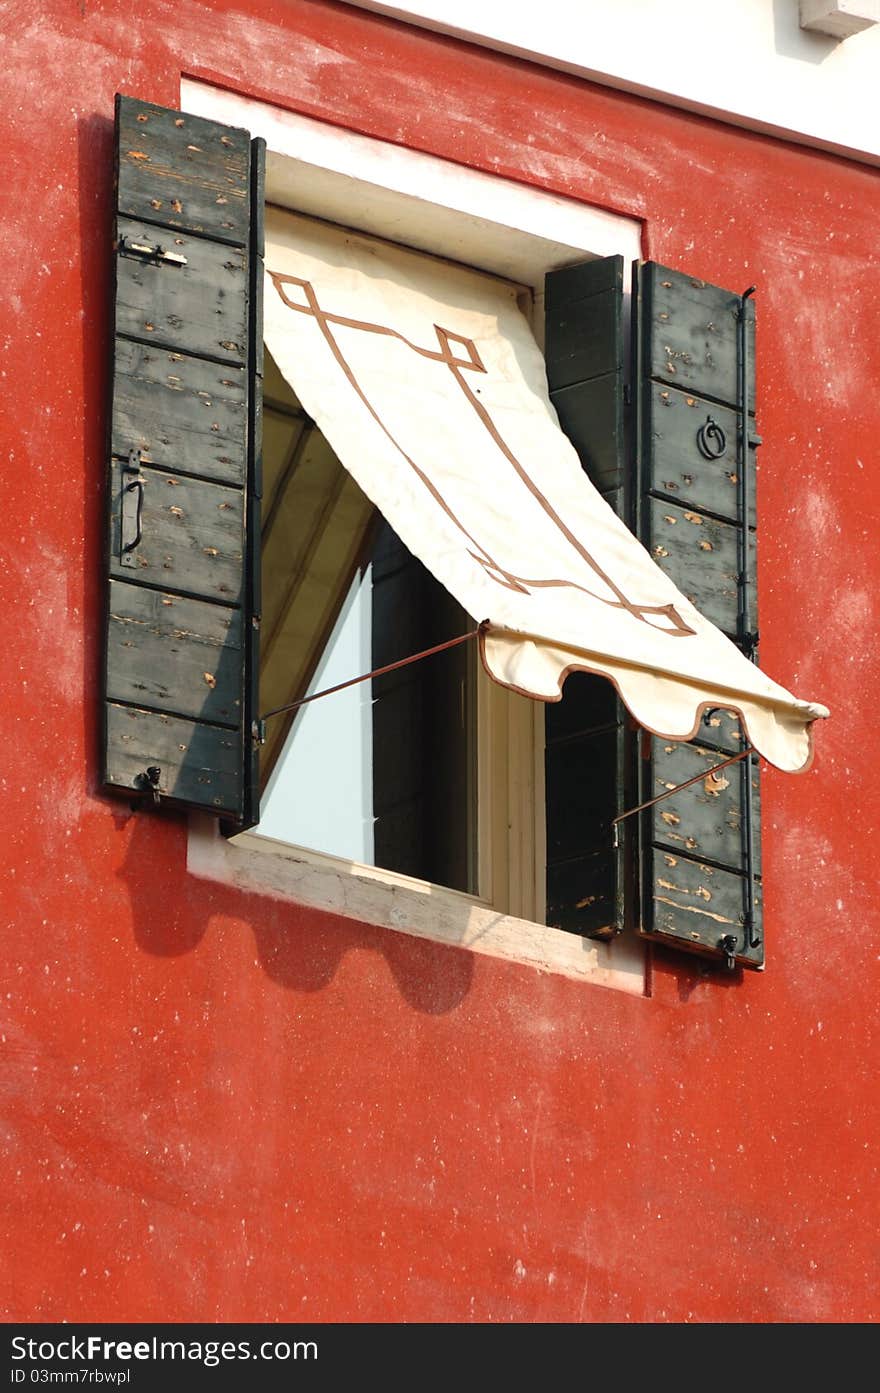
174 654
192 535
198 308
181 412
681 470
590 414
705 820
721 731
691 338
700 554
582 896
584 305
694 905
199 763
183 171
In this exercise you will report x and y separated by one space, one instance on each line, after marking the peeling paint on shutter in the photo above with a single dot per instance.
696 845
183 487
589 744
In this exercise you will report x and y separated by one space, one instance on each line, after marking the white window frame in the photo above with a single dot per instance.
520 233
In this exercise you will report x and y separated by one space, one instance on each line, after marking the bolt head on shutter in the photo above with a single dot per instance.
182 469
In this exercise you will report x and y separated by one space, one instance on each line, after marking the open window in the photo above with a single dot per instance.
183 705
382 772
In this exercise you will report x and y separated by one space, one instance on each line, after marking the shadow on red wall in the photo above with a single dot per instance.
300 948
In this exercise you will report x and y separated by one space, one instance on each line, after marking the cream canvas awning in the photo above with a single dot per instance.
428 384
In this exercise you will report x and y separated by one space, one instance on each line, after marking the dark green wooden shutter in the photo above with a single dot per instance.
690 854
183 488
589 745
697 845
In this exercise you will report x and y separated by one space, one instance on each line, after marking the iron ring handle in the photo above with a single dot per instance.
711 440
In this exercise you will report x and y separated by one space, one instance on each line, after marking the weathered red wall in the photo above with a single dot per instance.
220 1107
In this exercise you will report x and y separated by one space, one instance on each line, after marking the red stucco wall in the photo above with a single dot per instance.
216 1106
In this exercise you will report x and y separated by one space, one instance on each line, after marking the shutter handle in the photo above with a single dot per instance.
136 486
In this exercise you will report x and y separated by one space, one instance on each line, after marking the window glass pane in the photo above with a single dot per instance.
383 772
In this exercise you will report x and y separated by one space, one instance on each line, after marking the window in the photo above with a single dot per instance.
401 772
518 234
181 679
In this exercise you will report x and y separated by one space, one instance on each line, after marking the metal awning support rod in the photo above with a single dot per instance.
376 672
705 774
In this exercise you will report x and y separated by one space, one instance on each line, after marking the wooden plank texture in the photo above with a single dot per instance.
694 848
183 413
183 171
198 763
691 333
700 554
584 316
586 752
591 415
705 820
677 466
581 896
192 535
696 904
174 654
200 307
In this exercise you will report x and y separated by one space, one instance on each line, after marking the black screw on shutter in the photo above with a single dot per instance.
589 755
701 886
183 506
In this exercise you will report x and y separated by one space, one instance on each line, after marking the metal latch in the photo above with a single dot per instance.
145 252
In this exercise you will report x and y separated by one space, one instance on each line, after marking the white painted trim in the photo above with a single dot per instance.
262 867
508 230
422 201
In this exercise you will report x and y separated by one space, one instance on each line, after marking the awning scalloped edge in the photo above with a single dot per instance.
668 705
